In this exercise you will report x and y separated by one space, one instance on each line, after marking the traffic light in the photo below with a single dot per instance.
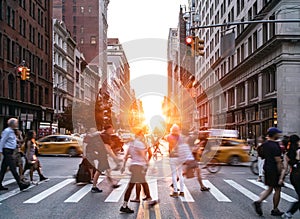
27 73
190 46
20 69
199 46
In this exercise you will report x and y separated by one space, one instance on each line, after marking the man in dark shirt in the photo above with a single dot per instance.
273 168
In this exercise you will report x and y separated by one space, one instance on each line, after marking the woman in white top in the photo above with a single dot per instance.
137 152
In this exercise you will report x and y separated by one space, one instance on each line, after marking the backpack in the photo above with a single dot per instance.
83 174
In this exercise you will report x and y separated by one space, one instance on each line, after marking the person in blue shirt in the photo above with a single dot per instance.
8 144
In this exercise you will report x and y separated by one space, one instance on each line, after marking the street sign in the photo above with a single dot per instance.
23 117
30 117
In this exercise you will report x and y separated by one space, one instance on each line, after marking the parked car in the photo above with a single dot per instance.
229 150
59 144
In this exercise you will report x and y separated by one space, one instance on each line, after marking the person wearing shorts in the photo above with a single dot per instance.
273 168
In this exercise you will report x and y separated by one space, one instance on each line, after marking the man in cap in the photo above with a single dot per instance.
273 168
8 144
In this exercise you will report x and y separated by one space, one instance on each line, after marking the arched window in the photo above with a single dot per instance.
11 86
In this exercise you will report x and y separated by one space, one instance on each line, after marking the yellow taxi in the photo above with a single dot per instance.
228 150
59 144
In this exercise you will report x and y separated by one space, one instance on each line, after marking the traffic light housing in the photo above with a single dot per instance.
190 43
27 73
199 46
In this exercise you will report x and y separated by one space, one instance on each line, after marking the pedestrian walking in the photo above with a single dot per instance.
187 158
274 172
18 153
176 166
260 158
293 159
8 144
96 151
32 162
138 167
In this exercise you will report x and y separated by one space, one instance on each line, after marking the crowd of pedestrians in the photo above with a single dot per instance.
274 162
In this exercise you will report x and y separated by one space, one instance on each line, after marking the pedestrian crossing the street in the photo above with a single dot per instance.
217 191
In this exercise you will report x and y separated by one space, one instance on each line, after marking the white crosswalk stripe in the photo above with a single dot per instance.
282 195
49 191
116 194
242 189
216 192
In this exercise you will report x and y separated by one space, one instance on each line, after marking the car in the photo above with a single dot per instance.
59 144
228 150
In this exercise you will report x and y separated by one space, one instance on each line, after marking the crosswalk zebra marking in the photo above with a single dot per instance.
216 192
289 186
243 190
187 196
48 192
76 197
116 194
282 195
10 181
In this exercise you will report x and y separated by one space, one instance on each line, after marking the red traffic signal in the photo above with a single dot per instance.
189 40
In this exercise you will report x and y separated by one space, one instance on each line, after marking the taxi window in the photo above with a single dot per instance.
62 139
229 143
48 139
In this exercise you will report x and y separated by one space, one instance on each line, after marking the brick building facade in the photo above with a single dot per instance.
26 34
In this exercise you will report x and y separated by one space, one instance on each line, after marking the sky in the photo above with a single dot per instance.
143 26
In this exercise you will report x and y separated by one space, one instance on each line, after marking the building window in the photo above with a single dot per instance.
93 40
8 15
255 9
254 40
41 96
265 32
74 19
269 81
241 93
22 92
272 26
46 95
1 45
11 86
1 8
82 9
31 92
8 49
249 46
74 8
90 9
231 100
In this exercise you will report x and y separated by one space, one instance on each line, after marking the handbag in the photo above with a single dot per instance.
189 168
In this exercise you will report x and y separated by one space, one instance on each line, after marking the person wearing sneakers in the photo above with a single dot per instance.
274 170
293 159
97 151
8 144
32 162
176 167
137 152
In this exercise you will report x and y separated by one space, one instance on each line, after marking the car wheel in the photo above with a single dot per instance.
72 152
234 160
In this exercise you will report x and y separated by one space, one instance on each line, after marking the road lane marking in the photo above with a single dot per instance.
282 195
76 197
216 192
243 190
187 195
289 186
116 194
8 182
48 192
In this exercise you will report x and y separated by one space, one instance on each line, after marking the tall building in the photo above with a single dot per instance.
119 82
256 86
87 22
26 35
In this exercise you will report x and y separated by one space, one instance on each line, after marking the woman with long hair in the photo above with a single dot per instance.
293 159
32 162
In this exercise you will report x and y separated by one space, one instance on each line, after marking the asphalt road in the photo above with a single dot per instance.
232 191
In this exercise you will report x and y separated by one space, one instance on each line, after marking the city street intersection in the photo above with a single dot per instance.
232 192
